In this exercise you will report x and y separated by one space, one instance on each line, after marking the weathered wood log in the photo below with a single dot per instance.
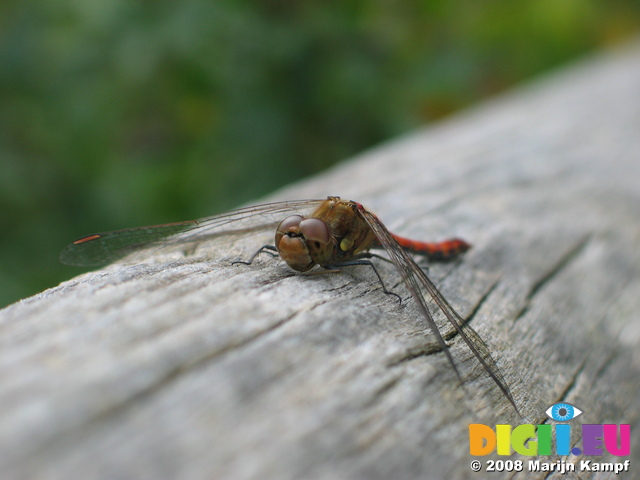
185 366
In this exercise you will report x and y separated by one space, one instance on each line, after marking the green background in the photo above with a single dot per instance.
124 113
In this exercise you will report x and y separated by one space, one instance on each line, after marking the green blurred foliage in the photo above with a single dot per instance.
118 113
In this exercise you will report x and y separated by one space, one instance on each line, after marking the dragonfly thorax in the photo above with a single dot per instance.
303 242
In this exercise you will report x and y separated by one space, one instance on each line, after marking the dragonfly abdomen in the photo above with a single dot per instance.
445 250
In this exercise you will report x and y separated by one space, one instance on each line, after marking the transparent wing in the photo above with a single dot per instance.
414 278
106 247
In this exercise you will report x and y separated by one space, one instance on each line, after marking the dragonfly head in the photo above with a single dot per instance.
303 242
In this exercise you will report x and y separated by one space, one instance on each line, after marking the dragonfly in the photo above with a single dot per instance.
330 233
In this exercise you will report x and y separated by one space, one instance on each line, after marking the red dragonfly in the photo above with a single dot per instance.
335 234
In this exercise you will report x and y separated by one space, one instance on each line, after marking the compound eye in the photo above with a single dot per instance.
315 230
289 222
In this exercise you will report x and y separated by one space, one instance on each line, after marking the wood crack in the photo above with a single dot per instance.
168 377
432 348
553 272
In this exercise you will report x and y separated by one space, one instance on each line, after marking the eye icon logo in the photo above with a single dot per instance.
597 439
563 412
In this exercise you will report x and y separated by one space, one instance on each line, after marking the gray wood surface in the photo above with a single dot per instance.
185 366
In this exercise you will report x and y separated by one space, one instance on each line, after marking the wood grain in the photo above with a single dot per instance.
185 366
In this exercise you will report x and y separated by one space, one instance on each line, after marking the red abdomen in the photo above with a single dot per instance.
445 250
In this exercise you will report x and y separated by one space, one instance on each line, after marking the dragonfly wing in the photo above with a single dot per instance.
107 247
414 278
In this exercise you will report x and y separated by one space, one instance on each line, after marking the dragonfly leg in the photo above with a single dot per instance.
424 268
268 249
352 263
